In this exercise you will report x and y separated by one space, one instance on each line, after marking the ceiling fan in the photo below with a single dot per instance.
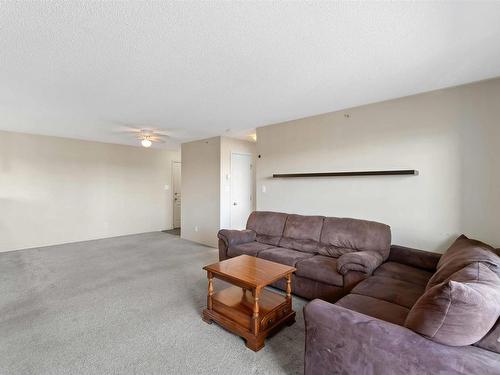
147 136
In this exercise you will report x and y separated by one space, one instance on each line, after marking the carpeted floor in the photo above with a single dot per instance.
124 305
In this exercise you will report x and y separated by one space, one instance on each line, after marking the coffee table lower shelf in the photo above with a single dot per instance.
233 309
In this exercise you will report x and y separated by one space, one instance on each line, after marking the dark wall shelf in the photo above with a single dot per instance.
407 172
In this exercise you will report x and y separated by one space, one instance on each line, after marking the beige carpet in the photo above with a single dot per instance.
125 305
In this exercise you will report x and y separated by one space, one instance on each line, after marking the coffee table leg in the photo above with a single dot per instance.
255 343
289 297
209 296
210 290
289 286
256 312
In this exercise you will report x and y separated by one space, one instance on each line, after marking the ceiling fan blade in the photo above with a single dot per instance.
171 132
161 132
126 128
174 133
157 140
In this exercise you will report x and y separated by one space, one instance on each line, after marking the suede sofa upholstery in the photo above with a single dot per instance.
331 254
417 314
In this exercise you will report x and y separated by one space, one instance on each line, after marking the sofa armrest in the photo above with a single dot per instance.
230 237
414 257
235 237
342 341
361 261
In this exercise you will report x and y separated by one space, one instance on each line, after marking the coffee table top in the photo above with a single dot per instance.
249 270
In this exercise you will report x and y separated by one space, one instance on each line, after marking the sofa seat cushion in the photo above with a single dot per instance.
395 291
320 268
268 226
249 248
376 308
491 341
284 256
302 233
403 272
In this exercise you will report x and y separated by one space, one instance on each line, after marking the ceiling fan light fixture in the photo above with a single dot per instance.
146 143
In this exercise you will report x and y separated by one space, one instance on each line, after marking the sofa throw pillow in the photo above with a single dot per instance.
461 310
461 253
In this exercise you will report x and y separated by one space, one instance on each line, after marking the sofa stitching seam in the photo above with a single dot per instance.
283 230
381 299
392 278
445 314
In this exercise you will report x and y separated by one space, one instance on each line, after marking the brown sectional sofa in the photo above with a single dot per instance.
398 311
331 254
418 314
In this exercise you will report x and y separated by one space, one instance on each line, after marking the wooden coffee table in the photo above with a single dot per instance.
246 308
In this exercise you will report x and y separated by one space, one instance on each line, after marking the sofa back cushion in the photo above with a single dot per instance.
461 253
344 235
268 226
302 233
461 310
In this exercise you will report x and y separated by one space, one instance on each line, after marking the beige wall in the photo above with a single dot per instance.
206 190
451 136
229 146
201 190
57 190
480 160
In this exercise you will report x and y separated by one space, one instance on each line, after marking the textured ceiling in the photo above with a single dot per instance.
85 70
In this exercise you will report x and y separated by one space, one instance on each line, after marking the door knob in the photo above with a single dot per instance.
235 204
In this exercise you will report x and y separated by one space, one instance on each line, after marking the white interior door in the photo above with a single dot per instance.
241 189
176 193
